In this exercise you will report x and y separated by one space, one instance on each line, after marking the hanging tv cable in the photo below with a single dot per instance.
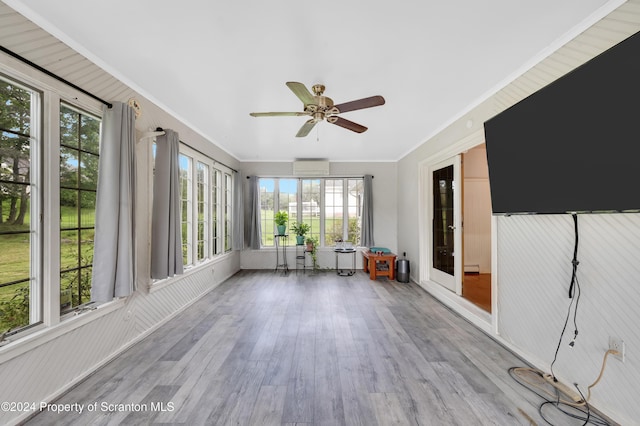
574 290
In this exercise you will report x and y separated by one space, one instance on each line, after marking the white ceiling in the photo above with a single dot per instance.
211 63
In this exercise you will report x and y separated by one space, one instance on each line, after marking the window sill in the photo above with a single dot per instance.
209 264
42 334
327 249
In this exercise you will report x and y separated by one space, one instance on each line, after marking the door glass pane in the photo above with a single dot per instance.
443 224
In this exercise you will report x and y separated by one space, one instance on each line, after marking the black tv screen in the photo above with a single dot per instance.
573 146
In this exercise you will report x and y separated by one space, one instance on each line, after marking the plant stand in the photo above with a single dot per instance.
281 241
301 258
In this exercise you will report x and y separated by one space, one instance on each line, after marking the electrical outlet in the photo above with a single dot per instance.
617 344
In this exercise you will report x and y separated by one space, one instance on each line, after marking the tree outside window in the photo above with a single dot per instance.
79 149
19 303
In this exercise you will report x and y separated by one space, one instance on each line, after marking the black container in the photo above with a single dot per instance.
402 270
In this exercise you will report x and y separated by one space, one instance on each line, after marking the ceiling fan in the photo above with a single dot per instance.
320 107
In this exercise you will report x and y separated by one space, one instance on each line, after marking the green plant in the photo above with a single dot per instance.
281 218
312 249
300 228
14 312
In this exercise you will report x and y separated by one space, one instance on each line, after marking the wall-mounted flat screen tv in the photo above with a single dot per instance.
574 145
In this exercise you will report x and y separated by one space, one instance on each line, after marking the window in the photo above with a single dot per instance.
215 208
48 185
186 216
333 211
20 233
354 191
267 197
228 197
79 148
343 210
277 195
310 213
203 211
206 190
331 207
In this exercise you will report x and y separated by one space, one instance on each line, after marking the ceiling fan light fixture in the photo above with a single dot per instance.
320 108
318 89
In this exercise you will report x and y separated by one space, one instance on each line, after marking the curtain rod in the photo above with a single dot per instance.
50 74
160 129
80 89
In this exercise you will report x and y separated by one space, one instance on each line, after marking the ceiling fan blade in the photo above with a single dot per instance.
301 91
277 114
339 121
306 128
361 104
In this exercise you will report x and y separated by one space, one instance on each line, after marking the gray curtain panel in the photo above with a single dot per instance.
114 241
254 218
166 232
237 238
366 233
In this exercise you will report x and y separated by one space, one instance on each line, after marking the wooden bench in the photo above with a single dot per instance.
374 264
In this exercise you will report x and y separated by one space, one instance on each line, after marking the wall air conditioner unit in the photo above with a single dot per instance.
311 168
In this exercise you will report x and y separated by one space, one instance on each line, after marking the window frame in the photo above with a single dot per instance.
45 243
219 205
80 269
299 215
35 137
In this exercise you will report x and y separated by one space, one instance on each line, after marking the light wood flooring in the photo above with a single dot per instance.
263 349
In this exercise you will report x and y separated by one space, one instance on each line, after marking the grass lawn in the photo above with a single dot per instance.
15 251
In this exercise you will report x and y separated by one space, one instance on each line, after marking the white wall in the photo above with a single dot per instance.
384 207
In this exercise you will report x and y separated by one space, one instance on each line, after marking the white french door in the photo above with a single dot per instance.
446 224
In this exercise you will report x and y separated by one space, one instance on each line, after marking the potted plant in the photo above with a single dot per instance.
300 230
312 249
281 218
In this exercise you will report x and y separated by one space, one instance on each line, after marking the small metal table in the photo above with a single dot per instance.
346 272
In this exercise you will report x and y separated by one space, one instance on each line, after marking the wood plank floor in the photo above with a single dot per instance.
263 349
476 288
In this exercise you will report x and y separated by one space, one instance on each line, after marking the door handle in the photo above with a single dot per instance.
451 227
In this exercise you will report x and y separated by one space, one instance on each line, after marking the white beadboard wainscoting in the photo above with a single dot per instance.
534 273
